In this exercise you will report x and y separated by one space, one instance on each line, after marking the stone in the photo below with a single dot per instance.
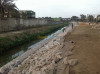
30 69
69 53
71 41
72 62
4 70
58 56
65 60
59 53
17 62
35 58
38 72
12 63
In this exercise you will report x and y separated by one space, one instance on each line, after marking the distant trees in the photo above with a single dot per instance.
90 18
83 17
74 18
98 18
8 8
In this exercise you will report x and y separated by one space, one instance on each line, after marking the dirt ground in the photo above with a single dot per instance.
87 49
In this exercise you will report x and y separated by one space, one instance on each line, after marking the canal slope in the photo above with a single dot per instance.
14 39
24 39
42 58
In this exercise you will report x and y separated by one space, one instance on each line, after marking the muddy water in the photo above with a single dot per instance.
8 56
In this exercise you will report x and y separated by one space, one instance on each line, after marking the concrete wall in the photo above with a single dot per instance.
15 24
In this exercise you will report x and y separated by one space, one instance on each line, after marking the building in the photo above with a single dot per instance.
27 14
66 19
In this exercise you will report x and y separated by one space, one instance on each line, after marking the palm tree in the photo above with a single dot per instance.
7 6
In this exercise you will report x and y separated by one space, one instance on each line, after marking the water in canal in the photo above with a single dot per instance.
8 56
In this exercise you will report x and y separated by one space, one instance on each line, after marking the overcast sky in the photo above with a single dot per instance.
60 8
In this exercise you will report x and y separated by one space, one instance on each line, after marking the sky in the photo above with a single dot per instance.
60 8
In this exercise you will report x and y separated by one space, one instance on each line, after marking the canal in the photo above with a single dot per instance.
9 56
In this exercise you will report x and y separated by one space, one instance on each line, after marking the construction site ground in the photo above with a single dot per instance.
86 38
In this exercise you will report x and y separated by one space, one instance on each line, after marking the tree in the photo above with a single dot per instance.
8 7
83 17
90 18
98 18
74 18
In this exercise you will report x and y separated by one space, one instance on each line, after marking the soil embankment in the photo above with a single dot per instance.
87 48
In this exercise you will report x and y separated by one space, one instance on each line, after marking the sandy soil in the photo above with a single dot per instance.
87 49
